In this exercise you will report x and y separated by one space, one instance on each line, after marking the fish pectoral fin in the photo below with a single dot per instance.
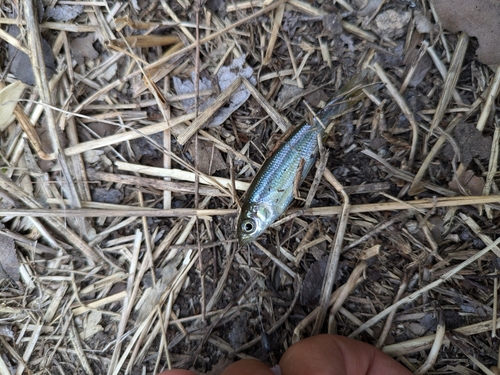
298 180
264 211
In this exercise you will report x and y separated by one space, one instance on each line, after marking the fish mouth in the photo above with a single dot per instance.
242 240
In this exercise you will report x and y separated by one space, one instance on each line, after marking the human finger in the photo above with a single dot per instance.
247 367
337 355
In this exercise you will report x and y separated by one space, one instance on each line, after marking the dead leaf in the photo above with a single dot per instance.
313 281
429 321
8 101
91 326
392 23
423 66
210 158
46 138
369 8
416 329
472 184
7 331
286 93
64 13
217 6
146 149
472 143
238 333
422 23
291 22
82 48
9 266
478 18
315 97
225 77
92 156
152 295
102 129
20 62
436 225
332 25
104 195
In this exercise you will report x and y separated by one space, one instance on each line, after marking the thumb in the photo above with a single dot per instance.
337 355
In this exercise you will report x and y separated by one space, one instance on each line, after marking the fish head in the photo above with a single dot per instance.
254 219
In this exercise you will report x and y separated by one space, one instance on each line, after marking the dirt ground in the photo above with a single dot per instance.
130 131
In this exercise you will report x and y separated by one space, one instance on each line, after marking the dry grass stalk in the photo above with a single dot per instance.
404 175
432 285
451 79
449 89
418 204
79 273
177 174
320 170
477 229
413 66
404 108
335 251
279 120
209 112
29 129
144 41
426 342
39 71
55 223
172 14
276 260
312 316
442 70
350 284
436 346
390 317
132 286
13 41
278 17
126 136
437 146
110 210
491 95
492 165
218 33
279 322
161 185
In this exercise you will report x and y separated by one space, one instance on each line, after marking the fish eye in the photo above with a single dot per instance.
247 226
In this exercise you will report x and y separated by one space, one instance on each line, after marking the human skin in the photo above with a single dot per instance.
321 355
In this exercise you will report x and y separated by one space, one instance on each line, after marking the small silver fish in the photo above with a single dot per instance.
271 191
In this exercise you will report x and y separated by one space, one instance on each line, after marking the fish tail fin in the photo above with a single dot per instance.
349 94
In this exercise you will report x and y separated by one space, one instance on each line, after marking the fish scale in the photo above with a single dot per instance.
271 191
275 179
